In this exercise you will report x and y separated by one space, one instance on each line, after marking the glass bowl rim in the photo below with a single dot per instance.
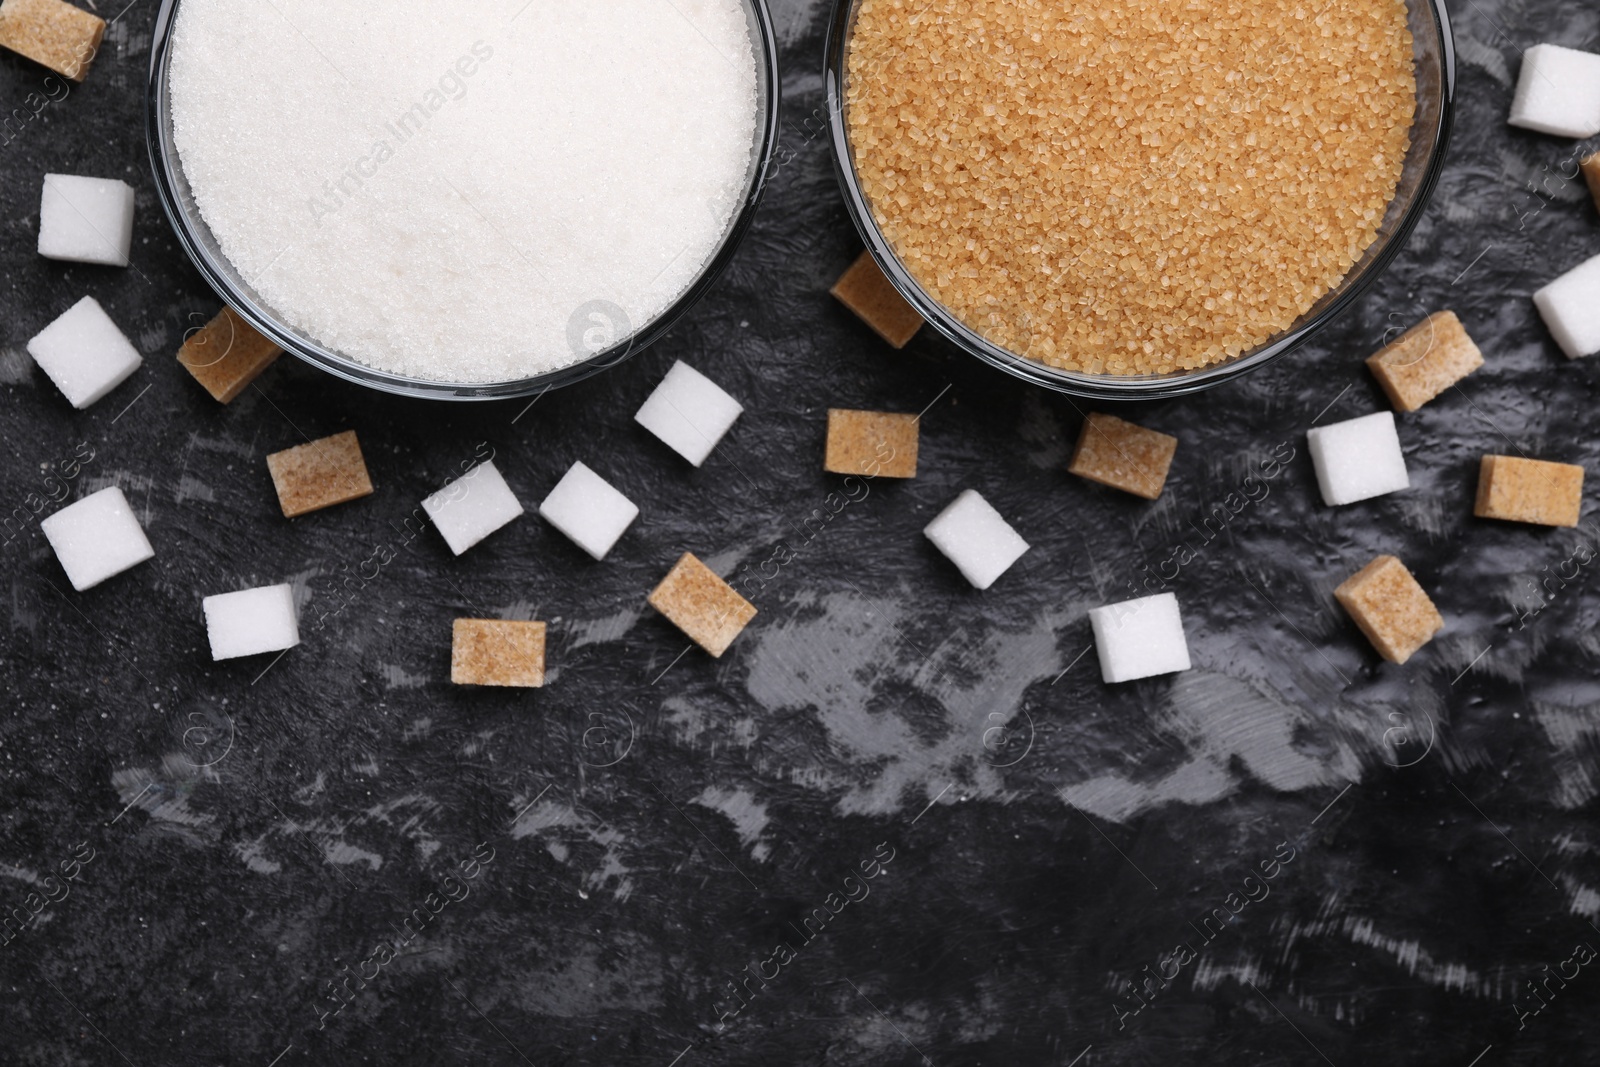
222 276
1129 388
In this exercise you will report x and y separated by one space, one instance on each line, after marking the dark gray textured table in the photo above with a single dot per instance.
646 831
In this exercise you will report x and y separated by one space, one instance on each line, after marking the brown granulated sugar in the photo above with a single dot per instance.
1132 188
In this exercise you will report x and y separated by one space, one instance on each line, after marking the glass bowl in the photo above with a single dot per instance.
202 246
1434 49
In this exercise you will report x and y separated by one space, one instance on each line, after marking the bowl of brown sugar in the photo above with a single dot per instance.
1129 199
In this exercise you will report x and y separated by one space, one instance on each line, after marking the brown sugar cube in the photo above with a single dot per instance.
497 652
1117 453
52 33
702 605
226 355
874 443
1425 361
318 475
867 291
1529 490
1390 608
1591 172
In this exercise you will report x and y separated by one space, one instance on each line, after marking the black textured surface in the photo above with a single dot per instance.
658 823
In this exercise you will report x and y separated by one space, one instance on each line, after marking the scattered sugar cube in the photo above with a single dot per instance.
689 412
84 353
52 33
1529 490
875 443
1358 459
96 538
226 355
1558 92
1390 608
974 537
320 474
497 652
1425 361
251 621
1570 306
86 220
589 510
1124 456
1139 638
472 507
867 291
702 605
1591 174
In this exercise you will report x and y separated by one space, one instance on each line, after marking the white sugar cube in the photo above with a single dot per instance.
472 507
1140 638
689 412
251 621
588 509
1558 92
974 537
96 538
84 353
1358 459
1570 306
86 220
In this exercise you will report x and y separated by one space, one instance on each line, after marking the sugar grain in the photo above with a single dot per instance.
454 191
1129 188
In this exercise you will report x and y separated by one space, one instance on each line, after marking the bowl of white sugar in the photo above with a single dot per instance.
462 200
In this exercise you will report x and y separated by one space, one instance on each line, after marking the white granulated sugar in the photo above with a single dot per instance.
443 190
